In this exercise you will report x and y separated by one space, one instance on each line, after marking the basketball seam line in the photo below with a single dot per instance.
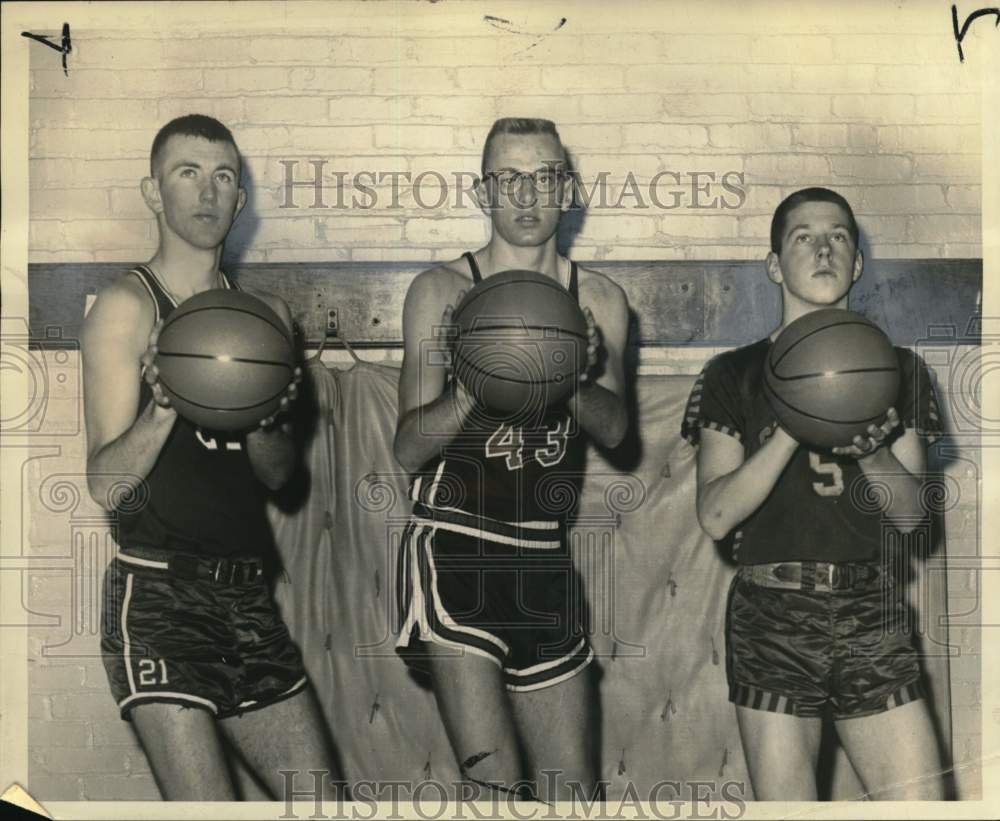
479 328
183 398
798 342
773 394
241 359
479 370
834 373
492 286
280 328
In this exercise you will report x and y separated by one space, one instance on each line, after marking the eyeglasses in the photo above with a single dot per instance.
544 180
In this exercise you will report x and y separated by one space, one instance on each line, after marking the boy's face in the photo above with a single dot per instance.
197 189
819 261
521 213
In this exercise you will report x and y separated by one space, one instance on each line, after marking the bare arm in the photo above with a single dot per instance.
429 416
899 469
271 446
123 441
729 488
599 405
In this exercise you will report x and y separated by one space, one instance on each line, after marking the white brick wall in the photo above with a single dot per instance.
890 119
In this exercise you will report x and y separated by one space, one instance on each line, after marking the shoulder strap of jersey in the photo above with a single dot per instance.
574 285
162 303
473 267
229 283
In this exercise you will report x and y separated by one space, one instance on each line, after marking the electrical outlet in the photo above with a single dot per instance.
332 322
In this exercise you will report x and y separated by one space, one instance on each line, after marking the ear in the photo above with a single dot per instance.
241 200
483 197
859 264
150 188
773 265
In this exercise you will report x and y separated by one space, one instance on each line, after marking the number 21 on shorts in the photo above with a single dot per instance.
152 672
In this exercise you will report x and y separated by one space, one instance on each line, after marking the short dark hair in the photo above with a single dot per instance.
520 125
190 125
816 194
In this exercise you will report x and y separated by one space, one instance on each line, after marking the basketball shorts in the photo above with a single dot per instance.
843 653
214 641
506 592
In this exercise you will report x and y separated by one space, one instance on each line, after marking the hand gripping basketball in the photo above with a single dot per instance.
149 370
593 345
862 446
449 331
291 394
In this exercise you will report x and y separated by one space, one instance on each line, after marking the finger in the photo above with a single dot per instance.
446 317
862 444
155 333
160 397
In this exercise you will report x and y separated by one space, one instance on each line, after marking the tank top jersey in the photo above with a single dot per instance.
513 470
823 507
201 495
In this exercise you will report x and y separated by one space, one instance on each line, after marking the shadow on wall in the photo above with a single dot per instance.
242 233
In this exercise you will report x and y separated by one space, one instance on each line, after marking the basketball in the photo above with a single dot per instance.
829 375
522 342
225 359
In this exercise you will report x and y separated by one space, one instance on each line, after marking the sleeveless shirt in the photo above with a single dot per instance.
202 495
514 470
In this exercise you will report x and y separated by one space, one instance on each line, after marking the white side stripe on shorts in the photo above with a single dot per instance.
489 536
124 557
126 642
435 483
443 615
298 685
545 665
524 688
161 694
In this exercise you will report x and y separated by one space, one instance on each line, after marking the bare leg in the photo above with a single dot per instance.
477 716
557 727
895 753
289 735
781 753
184 751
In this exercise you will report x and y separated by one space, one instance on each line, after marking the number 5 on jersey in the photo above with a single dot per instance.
828 470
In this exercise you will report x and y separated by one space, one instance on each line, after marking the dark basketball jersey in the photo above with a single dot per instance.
522 469
201 495
823 507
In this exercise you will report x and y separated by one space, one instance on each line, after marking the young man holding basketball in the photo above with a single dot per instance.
814 620
195 650
490 602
